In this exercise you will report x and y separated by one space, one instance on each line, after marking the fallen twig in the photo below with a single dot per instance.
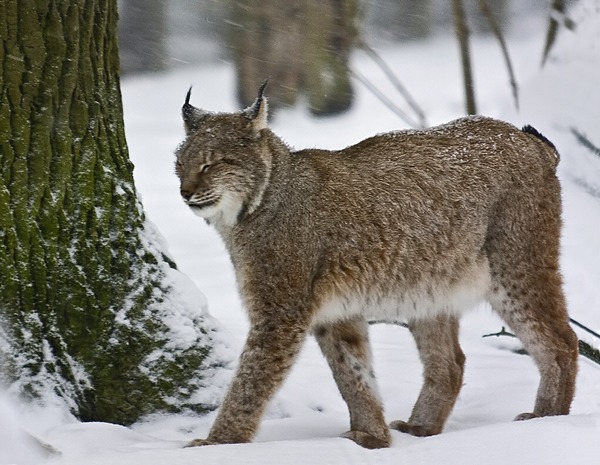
589 352
585 350
502 332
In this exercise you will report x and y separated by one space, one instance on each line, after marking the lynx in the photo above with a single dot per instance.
411 225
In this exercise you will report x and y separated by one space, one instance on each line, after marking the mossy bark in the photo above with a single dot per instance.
81 289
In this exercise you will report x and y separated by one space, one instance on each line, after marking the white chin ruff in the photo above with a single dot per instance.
222 213
203 212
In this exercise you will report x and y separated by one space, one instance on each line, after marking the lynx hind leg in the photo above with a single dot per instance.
443 368
346 348
534 307
527 293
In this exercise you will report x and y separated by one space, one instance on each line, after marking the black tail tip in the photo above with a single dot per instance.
528 129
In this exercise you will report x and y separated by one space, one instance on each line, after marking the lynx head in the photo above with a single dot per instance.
224 165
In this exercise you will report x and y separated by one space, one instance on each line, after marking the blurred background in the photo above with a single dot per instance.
304 46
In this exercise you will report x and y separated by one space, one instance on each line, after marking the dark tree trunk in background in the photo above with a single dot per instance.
330 36
462 33
411 19
303 46
266 39
84 288
499 9
142 35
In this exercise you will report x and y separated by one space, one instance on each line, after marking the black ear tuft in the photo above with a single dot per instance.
187 97
192 116
253 110
187 110
258 112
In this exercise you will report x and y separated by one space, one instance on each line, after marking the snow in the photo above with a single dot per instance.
304 420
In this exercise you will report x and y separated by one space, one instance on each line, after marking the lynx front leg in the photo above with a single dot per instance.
270 351
346 348
443 367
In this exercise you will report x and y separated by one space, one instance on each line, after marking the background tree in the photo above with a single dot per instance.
88 303
303 45
462 34
142 35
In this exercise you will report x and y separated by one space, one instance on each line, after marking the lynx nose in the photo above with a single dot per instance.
186 193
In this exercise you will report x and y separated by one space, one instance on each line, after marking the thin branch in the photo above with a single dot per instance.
556 7
389 322
585 328
585 141
395 82
486 10
385 100
585 350
502 332
589 352
462 34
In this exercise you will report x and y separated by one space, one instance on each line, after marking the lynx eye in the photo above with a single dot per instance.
204 168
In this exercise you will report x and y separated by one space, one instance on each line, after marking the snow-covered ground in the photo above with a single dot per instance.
305 418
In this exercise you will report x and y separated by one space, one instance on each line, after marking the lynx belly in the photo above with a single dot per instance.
424 300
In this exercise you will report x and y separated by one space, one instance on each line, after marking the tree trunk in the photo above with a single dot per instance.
462 34
86 290
142 34
303 46
402 20
331 33
266 42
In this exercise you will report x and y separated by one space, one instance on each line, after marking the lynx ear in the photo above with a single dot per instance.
192 116
258 111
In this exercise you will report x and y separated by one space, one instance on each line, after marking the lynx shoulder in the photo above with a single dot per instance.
412 226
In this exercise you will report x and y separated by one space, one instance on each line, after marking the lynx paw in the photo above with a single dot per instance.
415 430
366 440
199 442
526 416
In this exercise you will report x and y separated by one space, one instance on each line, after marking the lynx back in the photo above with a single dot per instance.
413 226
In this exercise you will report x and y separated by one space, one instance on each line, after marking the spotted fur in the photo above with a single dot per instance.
412 225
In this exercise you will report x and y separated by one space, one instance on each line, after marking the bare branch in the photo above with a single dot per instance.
585 349
389 322
502 332
585 328
487 12
556 7
589 352
395 82
385 100
586 142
